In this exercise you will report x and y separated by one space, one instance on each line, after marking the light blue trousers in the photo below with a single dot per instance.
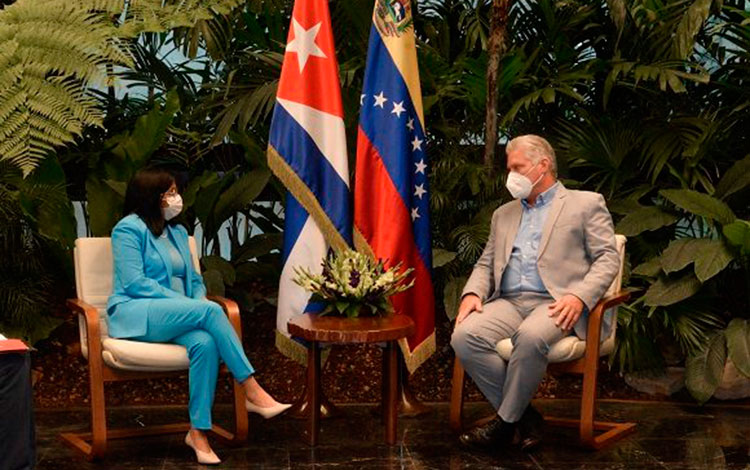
203 328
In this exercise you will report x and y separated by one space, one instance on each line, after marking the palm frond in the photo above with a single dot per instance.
55 51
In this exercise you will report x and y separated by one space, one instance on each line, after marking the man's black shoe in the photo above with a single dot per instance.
530 429
491 436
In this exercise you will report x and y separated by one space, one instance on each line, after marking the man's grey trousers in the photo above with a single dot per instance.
525 319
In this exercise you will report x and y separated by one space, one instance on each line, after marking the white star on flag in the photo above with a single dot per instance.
304 43
410 124
419 190
421 166
380 99
416 144
398 108
415 213
362 99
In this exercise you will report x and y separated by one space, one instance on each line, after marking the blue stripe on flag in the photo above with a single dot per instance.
296 147
393 140
295 217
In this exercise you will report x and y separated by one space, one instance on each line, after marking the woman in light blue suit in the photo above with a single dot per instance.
159 297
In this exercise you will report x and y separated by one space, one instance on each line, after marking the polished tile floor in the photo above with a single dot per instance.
669 436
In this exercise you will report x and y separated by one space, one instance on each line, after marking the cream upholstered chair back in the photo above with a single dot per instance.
610 318
94 271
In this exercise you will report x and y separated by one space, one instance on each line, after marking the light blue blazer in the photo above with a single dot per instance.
142 272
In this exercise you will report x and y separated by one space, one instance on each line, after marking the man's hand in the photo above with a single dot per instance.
567 310
469 304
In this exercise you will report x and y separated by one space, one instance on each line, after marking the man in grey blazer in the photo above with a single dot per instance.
550 256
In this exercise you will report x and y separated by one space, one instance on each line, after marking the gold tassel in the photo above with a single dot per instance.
299 190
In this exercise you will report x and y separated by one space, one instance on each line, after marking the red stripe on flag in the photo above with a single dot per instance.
383 219
314 85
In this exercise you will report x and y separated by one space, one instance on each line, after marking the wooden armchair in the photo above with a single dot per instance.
576 356
111 359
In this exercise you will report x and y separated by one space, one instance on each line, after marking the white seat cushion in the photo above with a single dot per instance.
94 269
571 347
567 349
142 356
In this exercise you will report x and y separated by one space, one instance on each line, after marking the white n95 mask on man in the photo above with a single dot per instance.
519 186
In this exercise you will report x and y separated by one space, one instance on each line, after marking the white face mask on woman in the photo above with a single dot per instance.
519 185
174 206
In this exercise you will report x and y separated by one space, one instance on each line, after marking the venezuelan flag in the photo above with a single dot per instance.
391 190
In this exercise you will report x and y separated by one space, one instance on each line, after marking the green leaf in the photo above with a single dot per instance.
738 235
196 184
214 281
735 179
442 257
650 268
703 371
148 134
700 204
241 194
452 296
104 207
712 258
689 26
38 329
205 201
680 253
645 219
120 187
666 291
353 310
52 210
258 245
341 306
548 95
217 263
738 344
267 271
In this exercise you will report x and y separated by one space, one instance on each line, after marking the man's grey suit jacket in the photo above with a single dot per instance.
577 253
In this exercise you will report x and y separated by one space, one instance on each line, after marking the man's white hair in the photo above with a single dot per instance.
535 148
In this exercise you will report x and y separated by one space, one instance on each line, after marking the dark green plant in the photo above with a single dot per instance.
55 51
36 229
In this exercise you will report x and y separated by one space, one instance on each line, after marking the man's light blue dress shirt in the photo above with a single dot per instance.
521 274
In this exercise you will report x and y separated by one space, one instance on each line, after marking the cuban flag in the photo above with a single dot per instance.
307 152
391 191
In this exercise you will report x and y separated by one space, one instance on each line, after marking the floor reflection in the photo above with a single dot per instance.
669 436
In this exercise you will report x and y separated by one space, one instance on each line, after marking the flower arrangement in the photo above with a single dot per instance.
353 284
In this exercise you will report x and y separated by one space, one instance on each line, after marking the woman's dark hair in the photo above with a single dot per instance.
143 197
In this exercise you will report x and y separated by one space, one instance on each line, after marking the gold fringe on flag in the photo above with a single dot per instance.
299 190
425 349
296 351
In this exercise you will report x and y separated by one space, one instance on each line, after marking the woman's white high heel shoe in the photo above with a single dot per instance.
267 412
205 458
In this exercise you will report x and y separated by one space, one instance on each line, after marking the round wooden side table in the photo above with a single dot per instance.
316 329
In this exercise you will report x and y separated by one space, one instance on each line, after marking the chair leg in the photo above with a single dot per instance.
588 403
457 396
98 411
241 423
92 445
587 425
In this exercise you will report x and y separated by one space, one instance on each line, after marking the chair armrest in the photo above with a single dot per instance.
93 331
594 328
232 310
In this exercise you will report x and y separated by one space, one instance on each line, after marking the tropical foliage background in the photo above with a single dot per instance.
646 101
